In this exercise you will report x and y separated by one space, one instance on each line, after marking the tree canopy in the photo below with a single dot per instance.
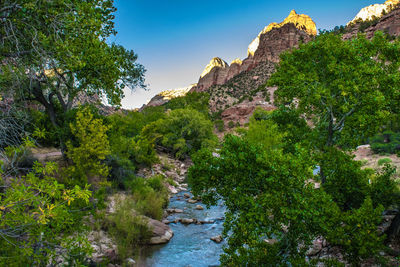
55 51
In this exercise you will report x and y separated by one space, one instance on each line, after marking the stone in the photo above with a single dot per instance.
215 72
198 207
192 201
217 239
166 221
130 262
161 233
207 222
186 195
174 211
167 95
187 221
316 247
367 13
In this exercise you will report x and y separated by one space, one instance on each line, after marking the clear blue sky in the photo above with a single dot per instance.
175 39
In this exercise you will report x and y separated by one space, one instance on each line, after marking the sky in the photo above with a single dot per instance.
176 39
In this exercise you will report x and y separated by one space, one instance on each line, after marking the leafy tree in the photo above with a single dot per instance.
195 100
182 132
92 148
347 88
36 221
55 51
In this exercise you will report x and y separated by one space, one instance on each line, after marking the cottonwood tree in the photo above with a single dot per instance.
53 51
346 88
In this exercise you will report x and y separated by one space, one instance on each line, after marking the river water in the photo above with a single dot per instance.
191 244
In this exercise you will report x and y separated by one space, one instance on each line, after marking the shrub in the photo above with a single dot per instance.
92 148
128 229
386 143
231 124
384 161
219 124
182 132
121 170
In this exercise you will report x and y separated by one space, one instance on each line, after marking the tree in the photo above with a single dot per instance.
37 222
182 132
91 149
346 88
54 51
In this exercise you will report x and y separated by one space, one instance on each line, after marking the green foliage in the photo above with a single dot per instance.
219 124
356 233
92 148
193 100
59 50
150 196
231 124
346 182
121 170
384 189
36 218
128 229
182 132
384 161
347 88
388 142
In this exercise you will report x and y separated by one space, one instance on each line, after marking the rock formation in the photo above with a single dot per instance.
302 22
374 11
267 46
215 73
167 95
389 23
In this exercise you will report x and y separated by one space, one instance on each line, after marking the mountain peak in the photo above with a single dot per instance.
375 10
215 62
301 21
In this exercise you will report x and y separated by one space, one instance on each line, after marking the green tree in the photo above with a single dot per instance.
37 222
55 51
181 132
346 88
91 149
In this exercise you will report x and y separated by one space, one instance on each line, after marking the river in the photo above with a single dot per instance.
191 244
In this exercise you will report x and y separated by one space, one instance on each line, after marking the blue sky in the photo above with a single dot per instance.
175 39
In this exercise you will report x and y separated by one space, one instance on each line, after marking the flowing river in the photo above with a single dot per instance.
191 244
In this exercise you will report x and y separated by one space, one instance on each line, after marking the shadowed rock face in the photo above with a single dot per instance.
389 23
215 73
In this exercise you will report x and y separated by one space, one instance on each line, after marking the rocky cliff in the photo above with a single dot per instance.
301 21
389 23
167 95
374 11
267 46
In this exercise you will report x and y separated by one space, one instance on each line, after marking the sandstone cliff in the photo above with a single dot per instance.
267 46
302 22
167 95
389 23
374 11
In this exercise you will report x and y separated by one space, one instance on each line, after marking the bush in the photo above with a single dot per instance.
121 171
219 124
384 161
128 229
92 147
386 143
150 196
231 124
182 132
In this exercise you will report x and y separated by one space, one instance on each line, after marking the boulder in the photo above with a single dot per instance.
198 207
217 239
192 201
187 221
161 233
186 195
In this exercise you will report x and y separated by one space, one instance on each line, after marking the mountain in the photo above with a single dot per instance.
267 46
374 11
388 23
167 95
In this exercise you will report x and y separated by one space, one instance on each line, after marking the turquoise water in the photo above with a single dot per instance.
191 244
